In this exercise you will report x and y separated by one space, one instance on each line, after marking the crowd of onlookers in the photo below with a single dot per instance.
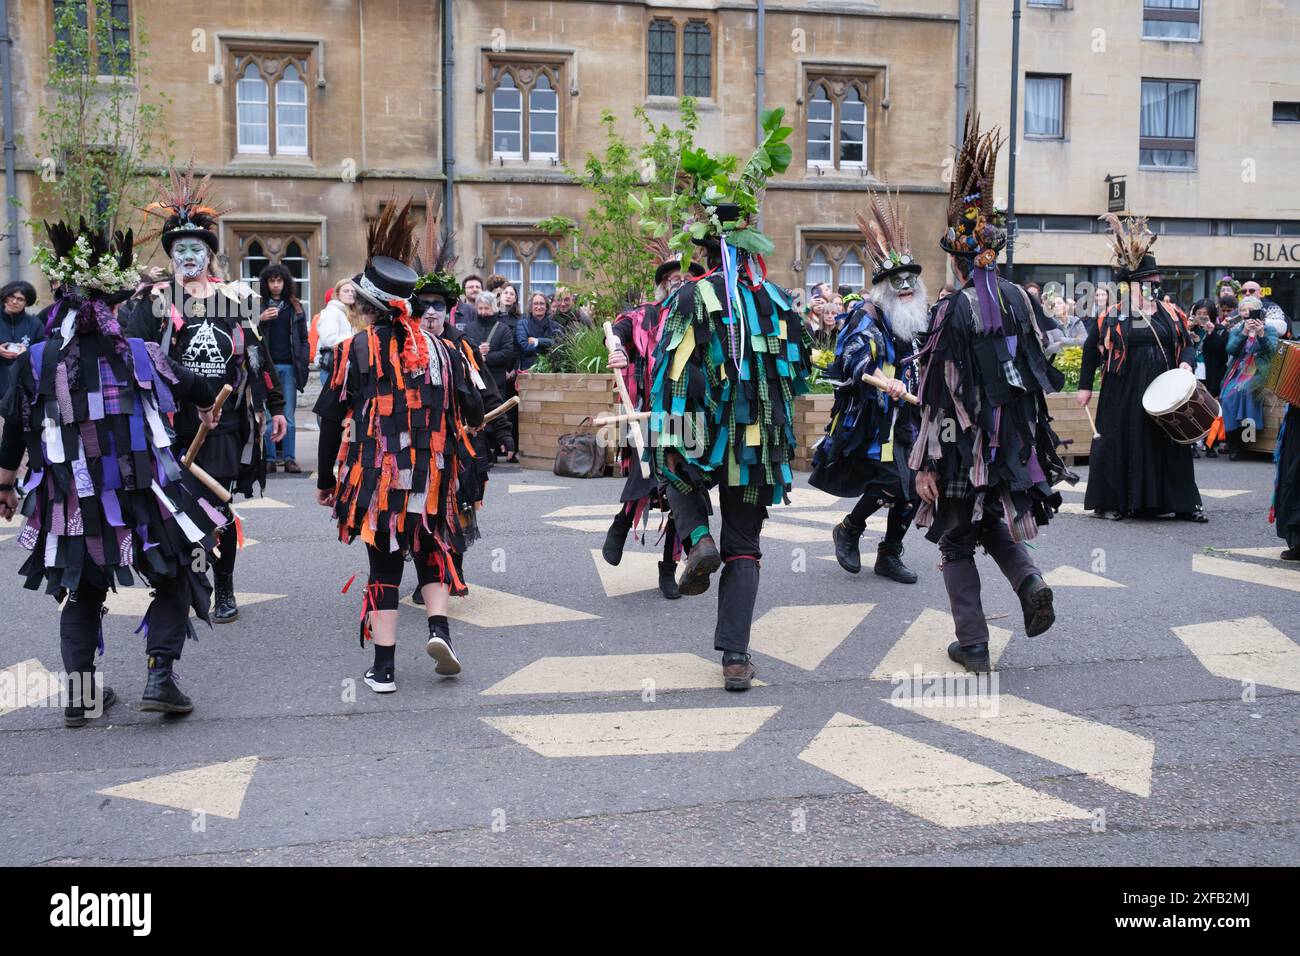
509 335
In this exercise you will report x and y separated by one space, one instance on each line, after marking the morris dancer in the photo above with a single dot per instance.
638 331
871 430
105 493
208 326
391 417
988 481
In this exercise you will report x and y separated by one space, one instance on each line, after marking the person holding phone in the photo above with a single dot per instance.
1251 346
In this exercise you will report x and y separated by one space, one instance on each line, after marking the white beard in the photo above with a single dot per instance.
909 318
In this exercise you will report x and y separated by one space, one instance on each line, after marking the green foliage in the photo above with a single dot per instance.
1069 361
99 125
581 349
606 249
710 181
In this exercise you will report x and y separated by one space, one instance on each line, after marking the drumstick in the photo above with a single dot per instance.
1092 422
616 419
880 383
202 435
501 409
612 345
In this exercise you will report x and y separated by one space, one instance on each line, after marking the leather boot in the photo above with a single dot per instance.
702 561
973 657
86 700
889 564
737 671
616 538
224 608
161 693
1036 602
668 580
847 551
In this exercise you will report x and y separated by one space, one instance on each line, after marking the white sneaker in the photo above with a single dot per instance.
439 648
379 685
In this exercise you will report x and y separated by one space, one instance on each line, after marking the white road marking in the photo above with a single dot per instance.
611 673
1284 578
487 607
133 602
638 571
524 489
586 511
925 644
785 632
636 732
24 684
1245 649
251 504
217 789
1069 577
941 787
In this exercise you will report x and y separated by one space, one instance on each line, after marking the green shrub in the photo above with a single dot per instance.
580 350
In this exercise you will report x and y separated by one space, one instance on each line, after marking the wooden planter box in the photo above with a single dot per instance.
812 412
1266 436
553 404
1071 423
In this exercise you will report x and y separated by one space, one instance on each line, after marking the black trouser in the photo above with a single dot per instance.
167 621
897 523
226 537
742 525
960 575
386 577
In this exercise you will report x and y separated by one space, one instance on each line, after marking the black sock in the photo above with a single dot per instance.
384 657
897 522
439 626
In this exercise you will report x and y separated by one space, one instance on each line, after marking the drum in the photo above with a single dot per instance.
1284 372
1181 405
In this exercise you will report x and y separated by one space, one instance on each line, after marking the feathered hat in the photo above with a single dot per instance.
1131 240
886 235
666 262
387 282
976 228
432 260
187 209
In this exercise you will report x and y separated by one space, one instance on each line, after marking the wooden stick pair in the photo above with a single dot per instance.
222 493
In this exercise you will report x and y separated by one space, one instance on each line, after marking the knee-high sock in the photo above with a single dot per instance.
867 506
227 544
737 592
898 521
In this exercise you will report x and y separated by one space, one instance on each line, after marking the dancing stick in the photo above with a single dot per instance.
616 419
202 435
223 494
880 383
1092 422
612 345
501 409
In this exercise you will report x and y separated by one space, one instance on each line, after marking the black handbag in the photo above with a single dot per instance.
579 454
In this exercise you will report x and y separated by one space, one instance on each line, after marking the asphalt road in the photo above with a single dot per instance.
589 725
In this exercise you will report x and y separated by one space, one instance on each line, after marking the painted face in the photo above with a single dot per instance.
348 294
190 258
903 284
435 316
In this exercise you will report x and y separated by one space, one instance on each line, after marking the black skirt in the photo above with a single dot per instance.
1134 467
1286 501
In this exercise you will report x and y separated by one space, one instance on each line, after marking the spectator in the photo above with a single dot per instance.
19 328
495 281
1271 312
339 321
1035 291
1251 346
566 311
465 310
492 338
536 333
283 326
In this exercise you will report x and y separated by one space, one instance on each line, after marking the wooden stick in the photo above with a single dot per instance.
638 442
1092 422
880 383
202 435
223 494
501 409
617 419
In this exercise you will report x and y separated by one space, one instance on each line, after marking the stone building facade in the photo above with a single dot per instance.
312 113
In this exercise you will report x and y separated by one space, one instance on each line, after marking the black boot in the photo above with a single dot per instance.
668 580
846 547
889 564
973 657
224 608
161 693
616 537
1036 602
86 701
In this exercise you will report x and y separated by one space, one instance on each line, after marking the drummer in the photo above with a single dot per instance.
1135 468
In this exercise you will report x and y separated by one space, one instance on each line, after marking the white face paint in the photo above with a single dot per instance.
190 258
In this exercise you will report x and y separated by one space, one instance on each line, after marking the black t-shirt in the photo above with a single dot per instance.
205 345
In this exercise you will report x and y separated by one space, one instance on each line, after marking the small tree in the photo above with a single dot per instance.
99 126
608 248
